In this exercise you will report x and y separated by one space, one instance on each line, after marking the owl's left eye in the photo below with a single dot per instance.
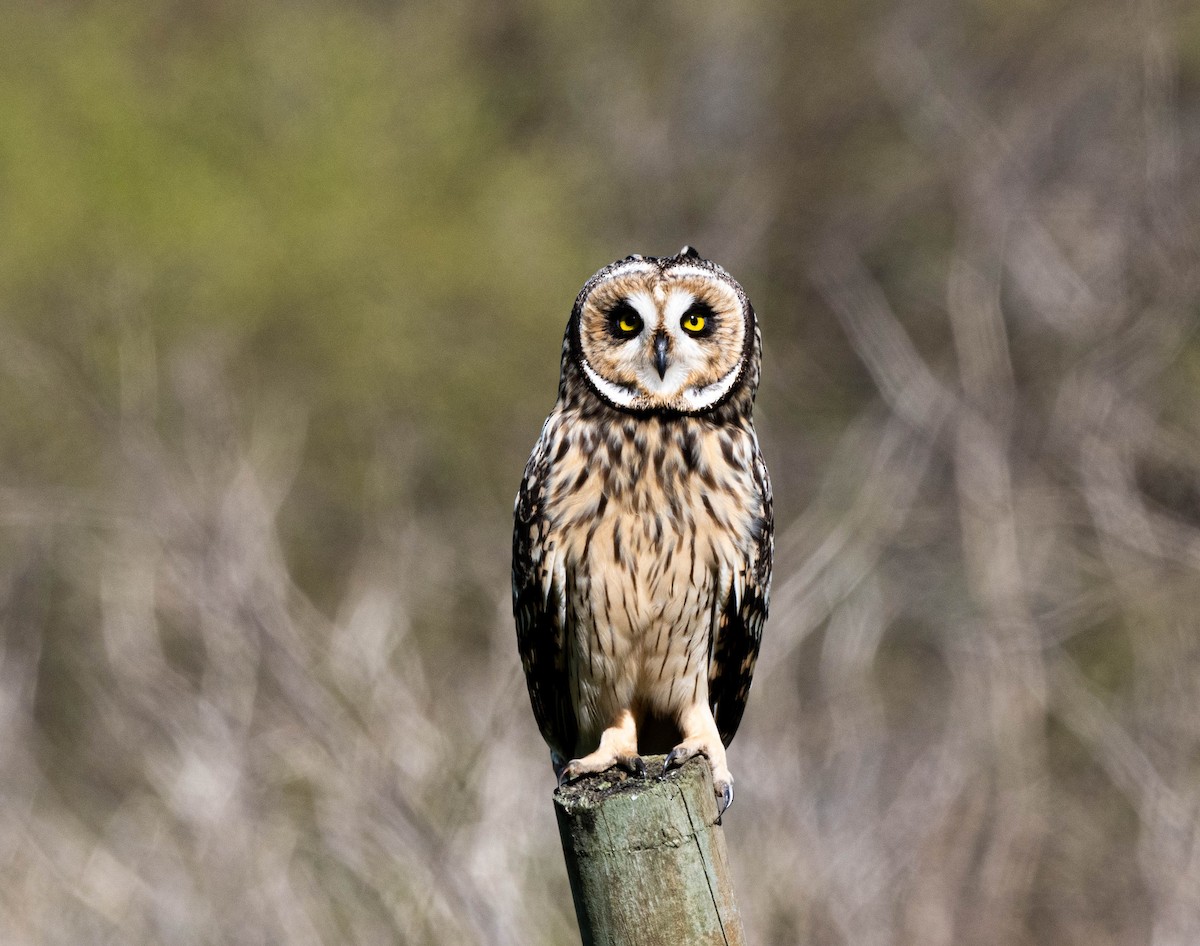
697 319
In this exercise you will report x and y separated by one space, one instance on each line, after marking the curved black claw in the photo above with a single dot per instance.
726 799
633 764
677 757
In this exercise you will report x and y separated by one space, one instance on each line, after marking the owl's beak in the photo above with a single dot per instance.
660 354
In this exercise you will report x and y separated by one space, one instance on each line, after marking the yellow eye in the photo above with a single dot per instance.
623 320
693 322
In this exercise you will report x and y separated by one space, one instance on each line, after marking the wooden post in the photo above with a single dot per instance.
646 858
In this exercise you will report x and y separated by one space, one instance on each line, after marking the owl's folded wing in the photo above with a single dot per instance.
540 609
739 623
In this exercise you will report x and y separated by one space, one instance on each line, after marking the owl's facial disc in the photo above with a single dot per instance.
669 340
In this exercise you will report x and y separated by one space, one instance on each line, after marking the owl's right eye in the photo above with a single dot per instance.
623 320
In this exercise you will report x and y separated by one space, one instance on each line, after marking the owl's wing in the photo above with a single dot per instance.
739 623
540 609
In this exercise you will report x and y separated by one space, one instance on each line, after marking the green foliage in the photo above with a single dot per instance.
314 189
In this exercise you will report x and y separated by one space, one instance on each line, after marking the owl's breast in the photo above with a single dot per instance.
653 524
653 501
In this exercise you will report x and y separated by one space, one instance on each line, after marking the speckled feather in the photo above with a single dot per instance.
642 548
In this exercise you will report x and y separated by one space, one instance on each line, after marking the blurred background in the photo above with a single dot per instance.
282 291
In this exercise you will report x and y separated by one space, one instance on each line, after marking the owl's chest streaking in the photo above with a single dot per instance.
652 523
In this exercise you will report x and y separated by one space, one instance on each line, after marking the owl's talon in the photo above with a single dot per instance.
724 798
680 755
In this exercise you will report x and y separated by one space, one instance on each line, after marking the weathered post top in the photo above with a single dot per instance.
646 858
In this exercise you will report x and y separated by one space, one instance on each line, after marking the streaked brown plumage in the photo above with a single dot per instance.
643 539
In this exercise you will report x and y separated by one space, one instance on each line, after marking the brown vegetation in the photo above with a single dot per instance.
280 312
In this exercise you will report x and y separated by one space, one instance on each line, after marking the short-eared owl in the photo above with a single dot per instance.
643 540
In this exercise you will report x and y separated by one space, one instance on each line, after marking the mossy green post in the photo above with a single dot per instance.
647 859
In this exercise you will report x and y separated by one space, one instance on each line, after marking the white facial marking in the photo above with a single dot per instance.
618 394
698 399
643 304
704 274
632 266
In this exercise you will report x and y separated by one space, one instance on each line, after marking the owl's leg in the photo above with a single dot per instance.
618 747
701 737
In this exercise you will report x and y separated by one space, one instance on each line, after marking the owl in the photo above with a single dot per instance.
643 525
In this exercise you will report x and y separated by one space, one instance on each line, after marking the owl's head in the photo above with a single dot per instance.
674 334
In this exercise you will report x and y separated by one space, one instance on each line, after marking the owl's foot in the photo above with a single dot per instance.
598 762
618 748
722 779
702 738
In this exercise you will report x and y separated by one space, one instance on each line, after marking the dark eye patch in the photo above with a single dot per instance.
621 315
704 311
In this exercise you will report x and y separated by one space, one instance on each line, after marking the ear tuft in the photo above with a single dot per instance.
689 252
